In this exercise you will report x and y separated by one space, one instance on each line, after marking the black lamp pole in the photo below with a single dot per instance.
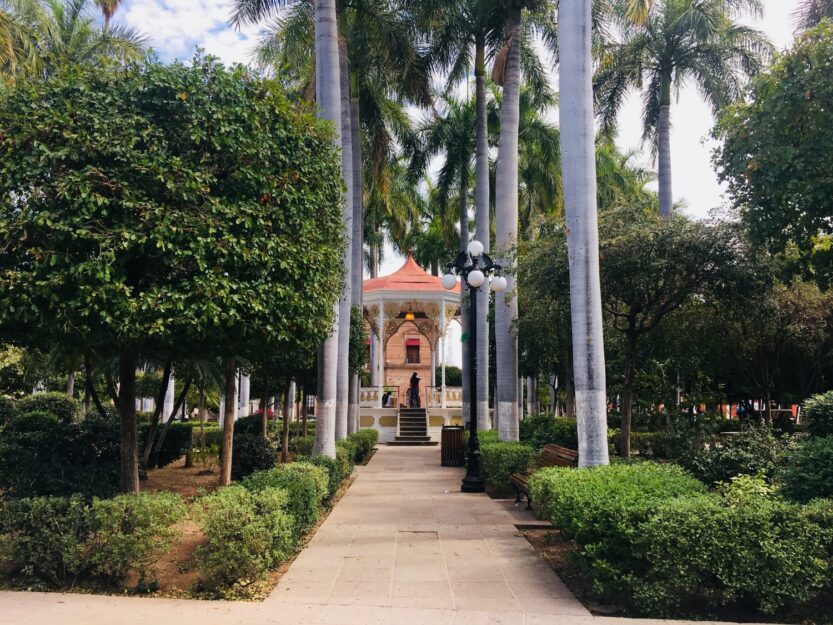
466 263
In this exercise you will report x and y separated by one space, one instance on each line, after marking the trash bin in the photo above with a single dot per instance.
452 446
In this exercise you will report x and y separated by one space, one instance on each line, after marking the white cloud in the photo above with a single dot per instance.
176 27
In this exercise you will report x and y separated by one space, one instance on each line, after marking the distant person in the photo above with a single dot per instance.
413 391
386 399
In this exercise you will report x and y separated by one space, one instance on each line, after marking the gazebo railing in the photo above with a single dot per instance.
453 397
371 396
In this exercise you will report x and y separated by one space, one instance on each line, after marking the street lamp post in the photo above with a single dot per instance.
474 268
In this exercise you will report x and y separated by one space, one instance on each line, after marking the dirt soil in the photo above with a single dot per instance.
177 478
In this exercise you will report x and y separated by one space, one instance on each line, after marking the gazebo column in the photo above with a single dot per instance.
441 343
374 364
380 350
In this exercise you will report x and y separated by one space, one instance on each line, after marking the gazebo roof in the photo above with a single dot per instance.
409 277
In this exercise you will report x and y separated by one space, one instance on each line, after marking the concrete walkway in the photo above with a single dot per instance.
403 547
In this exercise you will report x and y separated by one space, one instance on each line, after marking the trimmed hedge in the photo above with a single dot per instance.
338 468
543 429
652 538
808 470
818 414
250 453
42 455
306 486
248 534
177 442
50 541
65 409
699 551
301 445
500 461
7 410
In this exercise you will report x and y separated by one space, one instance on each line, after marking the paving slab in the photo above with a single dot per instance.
402 547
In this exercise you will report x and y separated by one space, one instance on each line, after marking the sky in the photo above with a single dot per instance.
175 28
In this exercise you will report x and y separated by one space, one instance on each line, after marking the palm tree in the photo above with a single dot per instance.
108 9
38 37
811 12
579 176
328 81
680 41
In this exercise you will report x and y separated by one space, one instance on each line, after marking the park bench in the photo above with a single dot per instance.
551 456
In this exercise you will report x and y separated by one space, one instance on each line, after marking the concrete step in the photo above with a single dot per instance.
413 442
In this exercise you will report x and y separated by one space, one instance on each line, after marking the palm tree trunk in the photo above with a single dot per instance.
328 96
230 390
506 228
481 198
289 399
464 308
666 199
358 249
579 174
343 375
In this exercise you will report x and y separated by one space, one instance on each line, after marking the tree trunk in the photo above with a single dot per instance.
345 304
328 96
264 406
357 274
88 383
71 384
481 195
506 237
288 401
666 200
374 259
578 156
128 359
304 420
157 411
180 402
626 406
464 306
230 391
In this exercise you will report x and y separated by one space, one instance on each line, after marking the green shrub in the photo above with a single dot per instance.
489 436
349 447
363 443
306 486
177 442
44 538
543 429
250 453
7 410
757 451
41 455
704 551
64 408
808 470
820 513
599 508
818 414
500 461
131 532
213 435
253 424
301 445
338 468
248 534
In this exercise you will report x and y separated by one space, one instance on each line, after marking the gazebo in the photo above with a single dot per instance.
407 314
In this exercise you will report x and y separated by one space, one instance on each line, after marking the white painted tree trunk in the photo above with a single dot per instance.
168 403
343 375
358 249
506 237
482 232
328 96
666 198
578 159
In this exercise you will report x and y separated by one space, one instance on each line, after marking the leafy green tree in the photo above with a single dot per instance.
775 150
149 209
680 41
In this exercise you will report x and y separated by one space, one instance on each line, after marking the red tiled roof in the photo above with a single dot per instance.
409 277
